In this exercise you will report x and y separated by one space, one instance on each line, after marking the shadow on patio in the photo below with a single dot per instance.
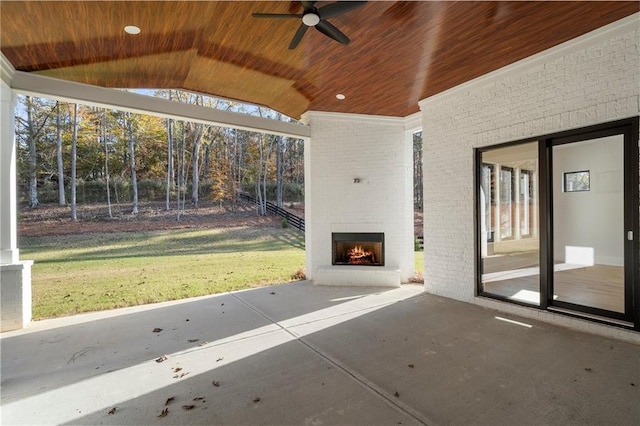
303 354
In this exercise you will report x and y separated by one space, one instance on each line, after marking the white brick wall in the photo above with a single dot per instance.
590 80
378 151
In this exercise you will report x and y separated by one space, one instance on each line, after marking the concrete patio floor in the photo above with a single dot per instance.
299 354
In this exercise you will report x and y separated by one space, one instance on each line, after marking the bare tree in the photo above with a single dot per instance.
265 146
417 171
74 152
182 172
279 169
170 178
102 132
61 198
132 159
196 131
33 158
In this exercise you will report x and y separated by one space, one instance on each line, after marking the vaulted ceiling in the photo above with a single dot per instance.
400 52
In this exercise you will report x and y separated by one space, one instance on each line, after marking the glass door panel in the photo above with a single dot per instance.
509 244
588 223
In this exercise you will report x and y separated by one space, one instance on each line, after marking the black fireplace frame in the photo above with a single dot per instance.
363 237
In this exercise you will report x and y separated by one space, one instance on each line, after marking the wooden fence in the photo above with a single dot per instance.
292 220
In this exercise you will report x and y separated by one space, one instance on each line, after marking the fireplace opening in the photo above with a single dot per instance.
363 248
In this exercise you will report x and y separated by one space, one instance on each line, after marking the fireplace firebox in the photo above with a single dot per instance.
358 248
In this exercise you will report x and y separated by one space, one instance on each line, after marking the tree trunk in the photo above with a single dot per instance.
61 198
132 156
182 174
170 179
417 171
263 171
106 161
197 131
74 151
279 170
33 177
262 210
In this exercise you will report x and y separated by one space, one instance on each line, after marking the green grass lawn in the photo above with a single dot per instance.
92 272
419 264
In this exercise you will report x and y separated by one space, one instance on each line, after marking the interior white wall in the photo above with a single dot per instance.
378 152
592 79
592 219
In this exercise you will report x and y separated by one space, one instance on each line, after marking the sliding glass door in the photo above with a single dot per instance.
558 222
589 229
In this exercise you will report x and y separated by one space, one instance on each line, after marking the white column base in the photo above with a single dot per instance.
15 295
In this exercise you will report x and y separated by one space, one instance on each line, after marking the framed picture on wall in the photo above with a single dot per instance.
576 181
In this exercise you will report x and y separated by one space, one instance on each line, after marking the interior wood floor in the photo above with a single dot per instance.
598 286
517 277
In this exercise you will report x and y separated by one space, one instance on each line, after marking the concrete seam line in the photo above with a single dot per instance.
367 384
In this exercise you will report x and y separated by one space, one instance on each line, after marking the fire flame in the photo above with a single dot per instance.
360 255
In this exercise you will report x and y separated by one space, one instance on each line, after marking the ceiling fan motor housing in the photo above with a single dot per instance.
310 19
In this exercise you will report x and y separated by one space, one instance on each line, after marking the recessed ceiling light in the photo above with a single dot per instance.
340 96
132 29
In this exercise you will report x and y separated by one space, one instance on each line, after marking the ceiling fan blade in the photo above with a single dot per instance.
302 29
338 8
330 31
276 15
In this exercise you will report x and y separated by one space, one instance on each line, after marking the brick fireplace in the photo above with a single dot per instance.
358 197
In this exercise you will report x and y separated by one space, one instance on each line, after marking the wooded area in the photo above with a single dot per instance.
68 153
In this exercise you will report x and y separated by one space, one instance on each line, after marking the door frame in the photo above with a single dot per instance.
629 130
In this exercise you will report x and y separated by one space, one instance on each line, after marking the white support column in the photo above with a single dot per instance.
15 275
8 211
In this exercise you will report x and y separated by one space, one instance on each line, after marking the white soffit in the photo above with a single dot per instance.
37 85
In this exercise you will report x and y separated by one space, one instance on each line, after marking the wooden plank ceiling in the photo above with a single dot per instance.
400 52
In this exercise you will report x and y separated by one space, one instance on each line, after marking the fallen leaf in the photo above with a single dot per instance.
180 376
256 399
176 369
198 398
170 399
192 340
219 359
157 330
112 411
162 358
396 394
203 343
588 369
164 412
411 365
216 383
188 407
273 292
633 384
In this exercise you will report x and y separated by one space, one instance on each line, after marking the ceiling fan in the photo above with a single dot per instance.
317 17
